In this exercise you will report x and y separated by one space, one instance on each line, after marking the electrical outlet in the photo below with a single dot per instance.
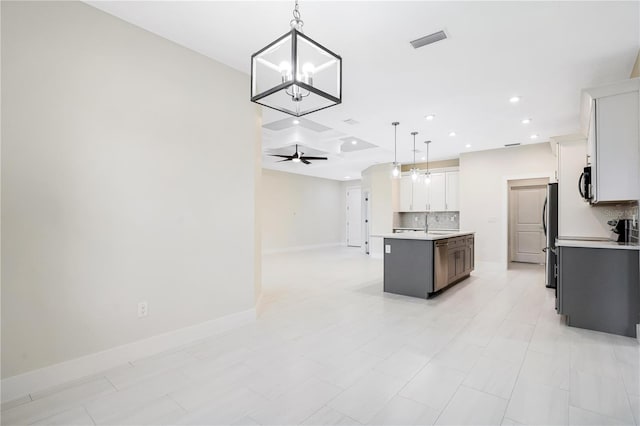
387 248
143 309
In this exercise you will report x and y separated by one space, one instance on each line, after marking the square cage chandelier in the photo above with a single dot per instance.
295 74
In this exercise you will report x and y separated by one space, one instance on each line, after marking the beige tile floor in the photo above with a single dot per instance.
329 347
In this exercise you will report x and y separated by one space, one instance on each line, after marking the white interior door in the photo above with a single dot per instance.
354 217
365 218
527 233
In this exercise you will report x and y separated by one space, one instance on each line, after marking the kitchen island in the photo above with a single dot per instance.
420 264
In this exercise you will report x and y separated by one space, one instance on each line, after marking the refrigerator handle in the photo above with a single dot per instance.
544 217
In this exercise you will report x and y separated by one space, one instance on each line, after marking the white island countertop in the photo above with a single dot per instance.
605 244
421 235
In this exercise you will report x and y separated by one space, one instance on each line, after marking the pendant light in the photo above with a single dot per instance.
296 75
427 175
414 169
395 171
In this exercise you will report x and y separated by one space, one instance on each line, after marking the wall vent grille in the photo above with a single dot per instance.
429 39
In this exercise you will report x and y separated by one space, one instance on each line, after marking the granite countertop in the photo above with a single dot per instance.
420 235
596 243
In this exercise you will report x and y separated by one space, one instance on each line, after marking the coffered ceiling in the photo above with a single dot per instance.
542 52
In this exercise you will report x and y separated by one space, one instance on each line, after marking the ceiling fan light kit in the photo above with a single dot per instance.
297 157
296 75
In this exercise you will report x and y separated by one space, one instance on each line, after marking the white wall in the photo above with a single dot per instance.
300 211
119 184
483 192
382 198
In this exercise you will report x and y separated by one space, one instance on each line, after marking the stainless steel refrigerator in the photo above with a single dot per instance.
550 224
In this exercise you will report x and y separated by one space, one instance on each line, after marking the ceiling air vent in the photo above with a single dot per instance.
511 144
431 38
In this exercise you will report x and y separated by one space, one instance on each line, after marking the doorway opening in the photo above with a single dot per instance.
526 238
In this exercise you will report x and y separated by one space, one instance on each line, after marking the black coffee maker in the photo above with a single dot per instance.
622 227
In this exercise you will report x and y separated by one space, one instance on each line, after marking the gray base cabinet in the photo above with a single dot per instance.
420 268
599 289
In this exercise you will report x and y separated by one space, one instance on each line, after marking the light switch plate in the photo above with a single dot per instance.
387 248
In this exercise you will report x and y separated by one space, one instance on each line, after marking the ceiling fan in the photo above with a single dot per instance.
297 157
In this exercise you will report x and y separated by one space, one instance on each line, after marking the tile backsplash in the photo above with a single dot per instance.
619 211
436 220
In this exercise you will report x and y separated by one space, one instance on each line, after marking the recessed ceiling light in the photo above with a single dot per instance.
347 177
514 99
296 121
452 134
468 145
534 136
354 142
430 117
526 121
424 158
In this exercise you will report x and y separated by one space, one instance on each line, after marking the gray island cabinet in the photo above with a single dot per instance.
421 264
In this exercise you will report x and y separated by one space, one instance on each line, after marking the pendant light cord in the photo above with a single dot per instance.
414 148
296 22
395 142
428 143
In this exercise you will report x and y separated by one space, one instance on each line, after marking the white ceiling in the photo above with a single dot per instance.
545 52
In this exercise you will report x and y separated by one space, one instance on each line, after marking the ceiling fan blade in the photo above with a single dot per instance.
278 155
315 158
287 159
305 161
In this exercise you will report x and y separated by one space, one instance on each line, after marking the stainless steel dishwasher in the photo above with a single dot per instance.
441 265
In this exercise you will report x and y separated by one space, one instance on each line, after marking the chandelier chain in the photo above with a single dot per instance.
296 22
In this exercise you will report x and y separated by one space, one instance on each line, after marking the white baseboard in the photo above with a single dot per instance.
57 374
301 248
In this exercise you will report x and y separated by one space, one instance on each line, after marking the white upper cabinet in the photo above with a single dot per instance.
420 196
613 142
452 184
437 192
406 193
440 195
